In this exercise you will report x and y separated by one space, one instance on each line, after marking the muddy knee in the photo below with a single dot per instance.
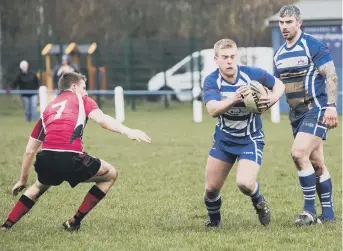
318 167
245 186
113 174
35 191
212 193
108 172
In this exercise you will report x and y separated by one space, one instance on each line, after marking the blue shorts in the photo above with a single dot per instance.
311 123
229 151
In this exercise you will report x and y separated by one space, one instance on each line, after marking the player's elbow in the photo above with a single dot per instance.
104 121
213 114
32 147
211 109
30 152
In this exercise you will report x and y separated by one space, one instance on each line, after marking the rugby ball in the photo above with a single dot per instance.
252 98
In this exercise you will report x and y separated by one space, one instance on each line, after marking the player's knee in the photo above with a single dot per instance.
318 167
298 155
244 186
211 193
108 171
113 174
35 191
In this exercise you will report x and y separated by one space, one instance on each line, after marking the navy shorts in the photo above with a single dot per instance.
53 168
230 151
311 123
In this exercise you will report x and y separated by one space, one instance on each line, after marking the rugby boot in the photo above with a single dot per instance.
306 219
263 212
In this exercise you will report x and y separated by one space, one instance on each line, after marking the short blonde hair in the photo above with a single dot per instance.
224 44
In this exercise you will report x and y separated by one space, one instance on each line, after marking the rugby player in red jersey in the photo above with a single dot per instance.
62 158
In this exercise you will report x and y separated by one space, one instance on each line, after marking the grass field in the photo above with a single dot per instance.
157 201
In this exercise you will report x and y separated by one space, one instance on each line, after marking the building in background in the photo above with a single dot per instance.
322 19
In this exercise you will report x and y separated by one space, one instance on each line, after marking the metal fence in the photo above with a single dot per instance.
134 99
129 63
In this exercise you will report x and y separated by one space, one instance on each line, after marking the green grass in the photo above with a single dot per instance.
157 201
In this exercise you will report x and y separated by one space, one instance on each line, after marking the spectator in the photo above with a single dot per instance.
64 67
27 80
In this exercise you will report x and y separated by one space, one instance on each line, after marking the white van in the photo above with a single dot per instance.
179 77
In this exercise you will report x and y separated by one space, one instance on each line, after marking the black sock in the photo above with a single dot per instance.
213 208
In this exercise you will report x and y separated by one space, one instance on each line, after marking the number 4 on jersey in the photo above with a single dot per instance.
61 106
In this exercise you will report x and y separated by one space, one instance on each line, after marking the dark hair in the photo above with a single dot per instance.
69 78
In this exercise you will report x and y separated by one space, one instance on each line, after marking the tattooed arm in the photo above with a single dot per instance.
329 72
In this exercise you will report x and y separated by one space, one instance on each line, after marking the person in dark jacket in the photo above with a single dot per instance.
27 80
64 67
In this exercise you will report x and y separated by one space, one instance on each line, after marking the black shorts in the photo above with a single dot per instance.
53 167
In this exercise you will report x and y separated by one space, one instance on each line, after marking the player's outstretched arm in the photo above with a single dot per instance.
32 148
109 123
216 108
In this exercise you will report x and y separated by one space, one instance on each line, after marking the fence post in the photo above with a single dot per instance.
200 63
192 49
119 104
197 104
97 78
43 99
128 69
40 72
165 54
275 112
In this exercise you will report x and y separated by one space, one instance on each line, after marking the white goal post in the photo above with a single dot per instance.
43 98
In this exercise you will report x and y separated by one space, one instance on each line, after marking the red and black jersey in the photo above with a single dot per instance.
63 121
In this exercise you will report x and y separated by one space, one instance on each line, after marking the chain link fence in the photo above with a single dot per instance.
129 63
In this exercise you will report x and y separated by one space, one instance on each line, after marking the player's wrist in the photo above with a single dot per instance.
125 130
331 105
274 99
23 180
231 101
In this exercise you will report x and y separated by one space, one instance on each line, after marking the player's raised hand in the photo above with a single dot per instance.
138 135
330 117
18 187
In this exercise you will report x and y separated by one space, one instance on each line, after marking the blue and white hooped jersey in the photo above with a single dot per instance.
297 67
237 124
